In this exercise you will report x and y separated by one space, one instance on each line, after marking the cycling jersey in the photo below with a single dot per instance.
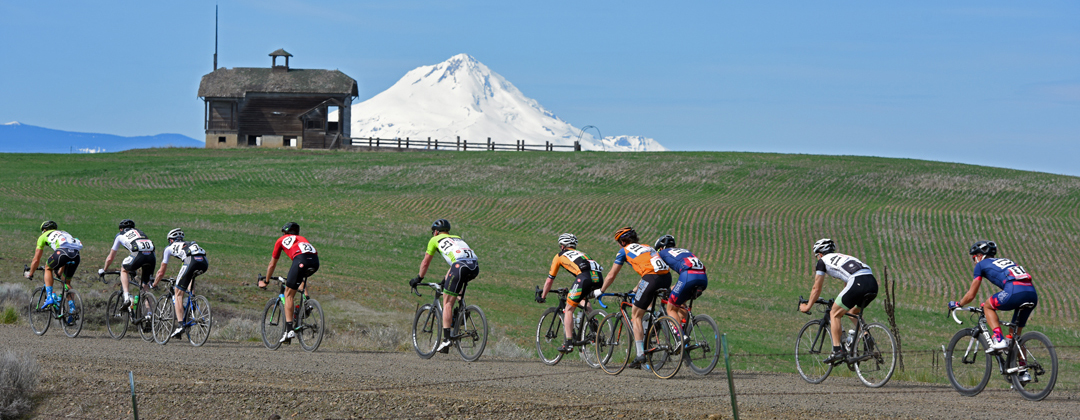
452 247
65 258
293 245
133 240
1002 272
575 262
58 239
841 266
182 250
683 261
643 258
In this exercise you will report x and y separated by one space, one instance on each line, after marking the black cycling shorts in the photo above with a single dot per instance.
860 291
583 287
143 260
458 277
303 266
66 259
648 287
192 268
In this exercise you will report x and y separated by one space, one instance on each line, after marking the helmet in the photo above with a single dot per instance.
291 228
824 246
568 240
626 233
666 241
48 225
441 225
176 235
127 224
987 248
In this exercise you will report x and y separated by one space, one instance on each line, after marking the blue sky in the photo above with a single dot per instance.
990 82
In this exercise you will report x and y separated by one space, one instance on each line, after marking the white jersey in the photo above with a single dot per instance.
58 239
182 250
133 240
842 266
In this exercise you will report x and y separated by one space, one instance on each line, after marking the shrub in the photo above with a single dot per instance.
10 316
18 379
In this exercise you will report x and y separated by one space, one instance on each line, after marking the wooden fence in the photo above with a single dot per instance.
458 144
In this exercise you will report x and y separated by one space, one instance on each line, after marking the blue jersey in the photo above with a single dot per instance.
1001 272
683 261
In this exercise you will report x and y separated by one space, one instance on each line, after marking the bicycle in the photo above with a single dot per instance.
550 334
118 317
663 339
197 316
701 351
68 312
310 322
1021 363
468 331
869 354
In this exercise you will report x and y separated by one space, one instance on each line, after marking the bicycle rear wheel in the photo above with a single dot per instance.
426 330
549 336
875 349
201 320
162 320
116 316
663 347
703 351
473 331
810 351
590 324
313 325
614 341
72 321
1040 360
272 323
39 318
145 316
966 363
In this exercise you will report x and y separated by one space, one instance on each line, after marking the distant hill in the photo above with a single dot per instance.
16 137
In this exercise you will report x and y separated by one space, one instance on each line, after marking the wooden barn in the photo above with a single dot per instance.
277 106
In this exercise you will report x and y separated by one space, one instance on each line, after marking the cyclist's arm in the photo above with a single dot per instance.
970 295
425 264
34 263
270 268
610 277
551 277
815 293
109 259
160 272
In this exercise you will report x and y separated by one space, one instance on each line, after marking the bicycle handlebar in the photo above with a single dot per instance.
436 286
819 301
969 309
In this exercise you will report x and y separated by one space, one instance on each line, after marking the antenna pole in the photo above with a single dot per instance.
215 35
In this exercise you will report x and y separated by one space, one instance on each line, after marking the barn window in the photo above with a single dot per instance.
221 139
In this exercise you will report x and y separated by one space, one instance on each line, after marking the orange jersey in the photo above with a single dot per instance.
643 258
572 260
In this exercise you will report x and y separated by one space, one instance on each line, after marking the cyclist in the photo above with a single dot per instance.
195 263
692 276
860 289
1015 285
463 268
588 274
305 262
654 275
65 256
142 257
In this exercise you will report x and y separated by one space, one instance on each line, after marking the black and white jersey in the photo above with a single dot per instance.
182 250
133 240
842 266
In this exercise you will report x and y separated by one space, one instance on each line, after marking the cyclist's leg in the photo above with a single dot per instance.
183 282
573 299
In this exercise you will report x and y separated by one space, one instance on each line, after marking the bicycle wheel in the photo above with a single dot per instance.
614 341
588 336
549 336
663 347
161 320
116 317
272 322
313 325
200 320
472 330
426 330
1040 360
72 321
966 363
703 350
145 316
812 346
875 350
39 318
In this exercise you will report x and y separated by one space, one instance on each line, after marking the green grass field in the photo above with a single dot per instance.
750 217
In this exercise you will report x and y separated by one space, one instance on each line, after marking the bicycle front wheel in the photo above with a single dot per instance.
812 346
703 350
313 325
161 321
614 341
966 363
145 316
588 335
426 330
116 316
875 350
201 320
663 347
272 323
39 318
72 320
472 332
549 336
1038 360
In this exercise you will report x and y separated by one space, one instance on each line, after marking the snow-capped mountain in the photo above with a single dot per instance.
463 97
16 137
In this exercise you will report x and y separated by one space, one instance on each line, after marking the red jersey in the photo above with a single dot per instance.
293 245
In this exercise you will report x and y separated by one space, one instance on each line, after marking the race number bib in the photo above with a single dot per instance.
694 263
306 248
658 264
143 245
595 266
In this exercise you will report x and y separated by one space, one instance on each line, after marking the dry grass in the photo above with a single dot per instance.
18 381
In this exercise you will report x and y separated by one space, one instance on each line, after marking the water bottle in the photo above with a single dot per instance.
71 306
577 318
849 339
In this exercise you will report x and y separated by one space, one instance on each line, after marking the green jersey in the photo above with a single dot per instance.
452 248
58 239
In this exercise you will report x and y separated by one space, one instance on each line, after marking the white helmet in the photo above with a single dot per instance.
824 246
176 235
568 240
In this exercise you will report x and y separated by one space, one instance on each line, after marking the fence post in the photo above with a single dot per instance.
436 144
428 145
730 381
457 144
406 142
577 146
465 145
377 141
490 147
134 405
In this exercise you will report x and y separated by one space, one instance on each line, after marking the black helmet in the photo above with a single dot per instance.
127 224
441 225
987 248
666 241
48 225
291 228
824 246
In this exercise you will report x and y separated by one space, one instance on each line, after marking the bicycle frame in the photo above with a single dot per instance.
579 322
824 332
983 334
437 303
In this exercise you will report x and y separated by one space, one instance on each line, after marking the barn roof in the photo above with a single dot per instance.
238 82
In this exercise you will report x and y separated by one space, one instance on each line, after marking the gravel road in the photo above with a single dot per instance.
87 377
